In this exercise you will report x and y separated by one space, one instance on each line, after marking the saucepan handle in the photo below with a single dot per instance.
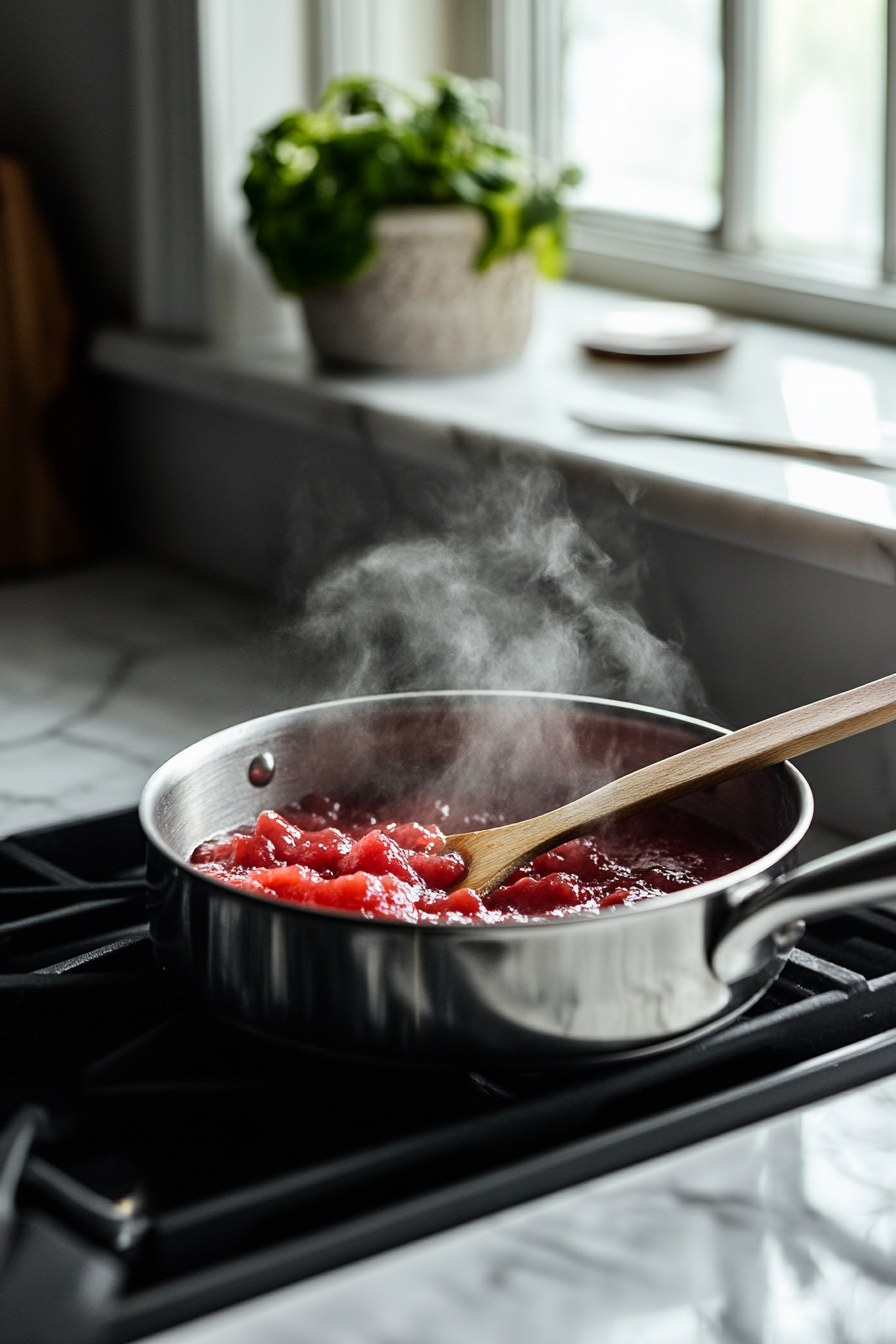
860 875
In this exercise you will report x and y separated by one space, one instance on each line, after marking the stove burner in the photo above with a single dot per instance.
186 1164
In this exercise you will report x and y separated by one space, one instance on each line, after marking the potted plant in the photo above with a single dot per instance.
411 227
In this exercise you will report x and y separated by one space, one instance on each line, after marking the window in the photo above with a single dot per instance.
736 152
820 131
642 107
740 153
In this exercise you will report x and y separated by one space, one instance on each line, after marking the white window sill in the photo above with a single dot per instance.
841 518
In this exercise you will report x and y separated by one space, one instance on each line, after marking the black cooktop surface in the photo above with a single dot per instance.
178 1164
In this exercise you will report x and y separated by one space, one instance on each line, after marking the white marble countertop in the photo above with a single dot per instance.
106 671
782 1233
840 517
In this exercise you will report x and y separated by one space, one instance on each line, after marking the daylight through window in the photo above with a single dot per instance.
756 129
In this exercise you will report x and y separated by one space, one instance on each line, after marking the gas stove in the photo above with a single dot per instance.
159 1165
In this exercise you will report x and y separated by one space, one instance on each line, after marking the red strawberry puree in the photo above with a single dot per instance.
345 854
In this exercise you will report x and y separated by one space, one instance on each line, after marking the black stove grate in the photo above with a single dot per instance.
213 1164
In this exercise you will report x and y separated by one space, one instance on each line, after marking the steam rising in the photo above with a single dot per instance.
509 590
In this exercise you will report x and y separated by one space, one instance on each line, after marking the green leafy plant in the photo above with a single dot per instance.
317 179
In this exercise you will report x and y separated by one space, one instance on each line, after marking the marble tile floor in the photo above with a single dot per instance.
107 670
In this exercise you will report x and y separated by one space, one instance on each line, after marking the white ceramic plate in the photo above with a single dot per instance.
656 330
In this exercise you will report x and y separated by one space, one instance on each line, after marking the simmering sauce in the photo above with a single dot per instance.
368 857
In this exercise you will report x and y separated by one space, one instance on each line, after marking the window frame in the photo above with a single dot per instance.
723 268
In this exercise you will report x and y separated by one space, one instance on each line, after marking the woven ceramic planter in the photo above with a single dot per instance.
422 304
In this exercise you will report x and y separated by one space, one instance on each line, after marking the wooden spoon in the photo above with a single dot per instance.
492 855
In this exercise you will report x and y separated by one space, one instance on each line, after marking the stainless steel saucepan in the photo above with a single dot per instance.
626 982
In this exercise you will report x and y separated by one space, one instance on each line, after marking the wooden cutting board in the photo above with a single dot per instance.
37 526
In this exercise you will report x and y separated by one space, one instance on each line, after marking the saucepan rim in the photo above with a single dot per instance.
173 770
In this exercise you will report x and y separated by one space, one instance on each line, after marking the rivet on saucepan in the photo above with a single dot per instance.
261 769
786 938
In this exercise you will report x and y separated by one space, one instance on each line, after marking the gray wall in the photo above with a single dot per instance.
767 634
65 109
237 496
244 498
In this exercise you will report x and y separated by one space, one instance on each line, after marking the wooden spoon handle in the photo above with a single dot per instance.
492 855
